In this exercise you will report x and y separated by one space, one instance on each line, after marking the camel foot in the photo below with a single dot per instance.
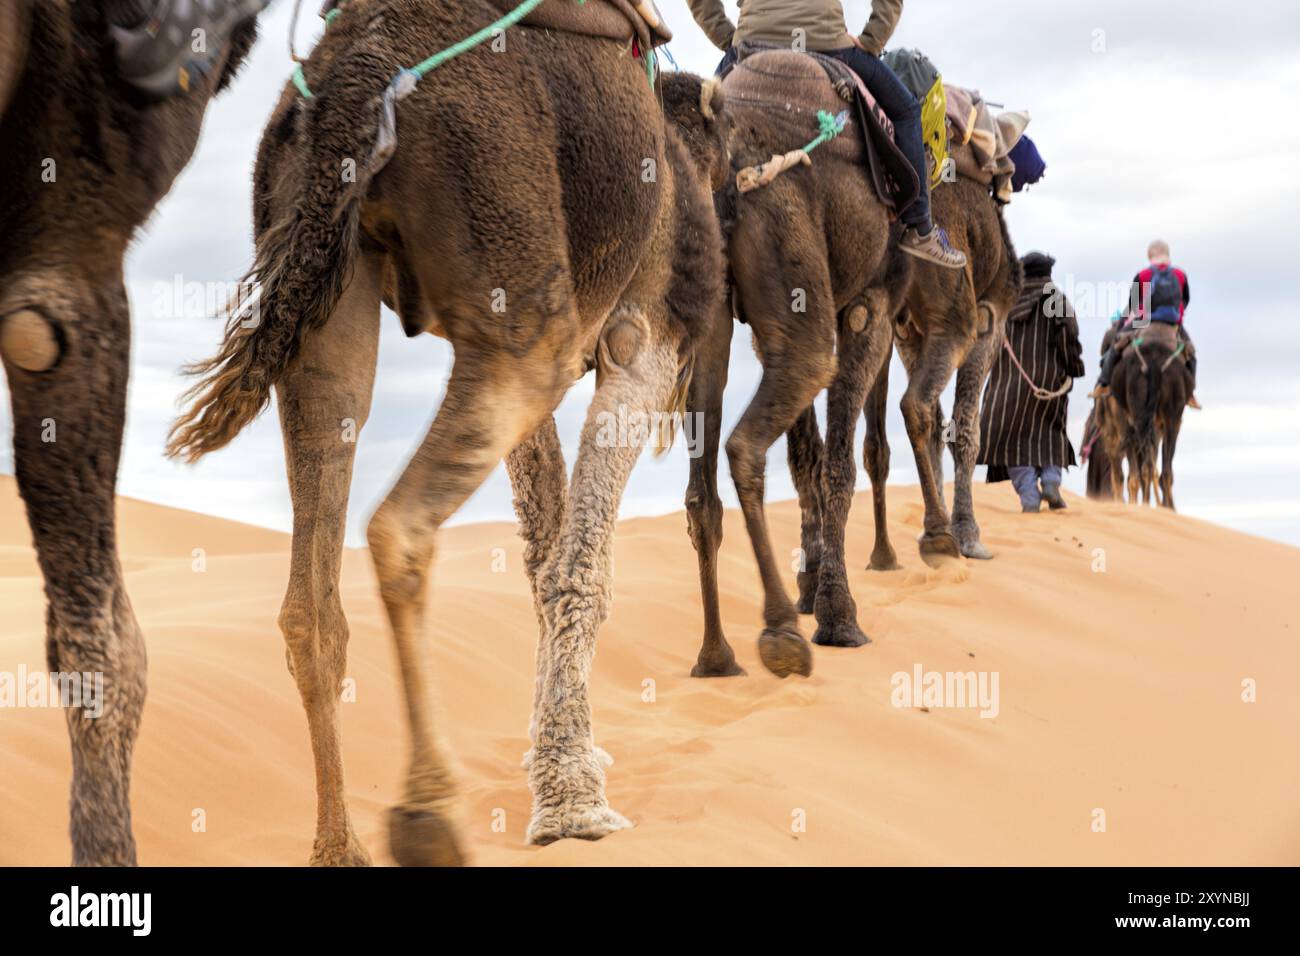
603 756
939 548
785 652
884 561
844 634
722 667
421 836
576 823
975 549
350 852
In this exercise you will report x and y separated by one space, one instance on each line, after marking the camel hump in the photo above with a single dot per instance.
1160 334
776 78
612 21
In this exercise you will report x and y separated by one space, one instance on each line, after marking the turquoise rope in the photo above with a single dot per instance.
830 126
430 64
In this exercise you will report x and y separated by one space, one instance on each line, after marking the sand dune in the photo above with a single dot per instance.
1119 690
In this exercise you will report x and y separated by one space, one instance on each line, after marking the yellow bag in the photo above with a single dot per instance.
934 129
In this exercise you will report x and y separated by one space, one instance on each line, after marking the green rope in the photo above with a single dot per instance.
430 64
830 126
473 40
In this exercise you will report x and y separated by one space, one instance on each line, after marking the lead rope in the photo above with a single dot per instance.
752 177
1042 394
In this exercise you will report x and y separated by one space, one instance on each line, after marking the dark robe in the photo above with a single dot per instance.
1017 428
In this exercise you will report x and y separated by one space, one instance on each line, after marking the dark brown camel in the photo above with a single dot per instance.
84 164
812 274
542 234
1149 391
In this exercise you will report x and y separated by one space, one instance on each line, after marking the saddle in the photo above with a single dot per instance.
1158 335
777 80
622 20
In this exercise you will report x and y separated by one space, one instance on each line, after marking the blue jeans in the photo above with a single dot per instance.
899 105
1025 478
905 110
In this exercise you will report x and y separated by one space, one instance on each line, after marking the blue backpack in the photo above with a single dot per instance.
1029 164
1166 295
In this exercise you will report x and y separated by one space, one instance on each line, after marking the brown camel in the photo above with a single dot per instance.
543 233
945 325
822 232
84 163
1149 391
812 274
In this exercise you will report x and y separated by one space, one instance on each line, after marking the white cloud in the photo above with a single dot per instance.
1175 130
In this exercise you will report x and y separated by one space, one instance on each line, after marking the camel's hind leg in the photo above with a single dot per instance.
804 451
795 368
324 400
875 455
66 365
537 476
494 400
966 436
638 368
859 360
703 506
933 367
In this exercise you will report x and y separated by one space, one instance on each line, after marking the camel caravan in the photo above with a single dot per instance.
620 218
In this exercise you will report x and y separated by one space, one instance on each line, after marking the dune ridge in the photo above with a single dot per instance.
1120 690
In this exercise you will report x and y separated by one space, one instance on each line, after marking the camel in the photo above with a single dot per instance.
85 162
1149 391
543 233
951 322
822 231
813 274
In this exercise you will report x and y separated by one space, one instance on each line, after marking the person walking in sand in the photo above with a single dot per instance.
1023 416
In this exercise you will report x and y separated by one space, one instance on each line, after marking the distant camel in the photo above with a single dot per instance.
541 215
84 162
1149 391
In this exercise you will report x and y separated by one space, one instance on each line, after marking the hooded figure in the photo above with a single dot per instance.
1023 415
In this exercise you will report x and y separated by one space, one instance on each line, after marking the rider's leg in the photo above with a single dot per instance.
904 109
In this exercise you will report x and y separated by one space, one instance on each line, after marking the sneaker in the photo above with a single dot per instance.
155 54
932 247
1193 403
1052 495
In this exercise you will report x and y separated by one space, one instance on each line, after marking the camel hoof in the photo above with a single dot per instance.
726 668
785 652
885 561
587 823
938 549
351 853
976 550
421 836
844 634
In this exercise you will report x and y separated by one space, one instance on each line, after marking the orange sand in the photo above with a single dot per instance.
1118 690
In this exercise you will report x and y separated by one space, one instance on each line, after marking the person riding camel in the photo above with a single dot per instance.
821 25
1160 293
164 47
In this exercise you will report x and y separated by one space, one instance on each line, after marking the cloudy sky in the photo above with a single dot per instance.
1155 120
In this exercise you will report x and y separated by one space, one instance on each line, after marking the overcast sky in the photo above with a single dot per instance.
1154 119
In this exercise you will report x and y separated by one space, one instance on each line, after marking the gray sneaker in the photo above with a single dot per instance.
932 247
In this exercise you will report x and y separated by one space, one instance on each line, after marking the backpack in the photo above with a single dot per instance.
1166 295
1029 164
925 82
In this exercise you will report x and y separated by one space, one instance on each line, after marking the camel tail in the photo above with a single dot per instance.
302 264
1144 418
